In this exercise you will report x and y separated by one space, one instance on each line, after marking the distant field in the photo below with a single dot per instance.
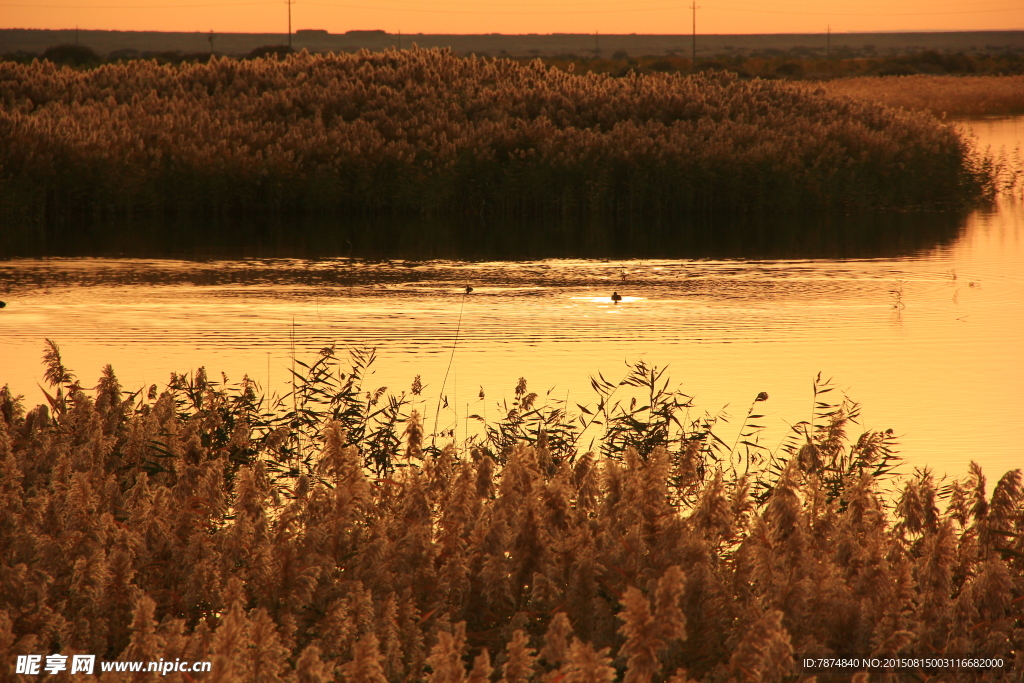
941 95
797 66
541 45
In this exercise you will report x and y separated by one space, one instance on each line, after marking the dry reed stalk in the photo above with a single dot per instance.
129 531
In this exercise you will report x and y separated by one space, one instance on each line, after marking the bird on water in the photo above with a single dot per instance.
2 304
468 289
616 297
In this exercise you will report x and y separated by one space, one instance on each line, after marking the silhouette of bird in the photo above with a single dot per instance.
2 304
616 297
468 289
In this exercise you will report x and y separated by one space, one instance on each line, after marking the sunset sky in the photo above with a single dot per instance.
516 16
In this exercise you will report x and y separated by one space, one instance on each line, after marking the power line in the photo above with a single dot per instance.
630 10
667 5
289 3
621 10
627 10
73 7
1014 4
881 13
693 6
457 5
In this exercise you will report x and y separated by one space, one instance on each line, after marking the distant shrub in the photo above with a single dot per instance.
124 53
72 55
893 68
790 69
19 56
711 65
275 51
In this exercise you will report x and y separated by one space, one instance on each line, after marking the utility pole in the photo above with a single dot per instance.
828 42
597 45
289 3
694 7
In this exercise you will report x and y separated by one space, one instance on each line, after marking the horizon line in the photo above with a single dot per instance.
556 33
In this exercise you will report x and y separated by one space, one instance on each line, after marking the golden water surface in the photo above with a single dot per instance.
930 343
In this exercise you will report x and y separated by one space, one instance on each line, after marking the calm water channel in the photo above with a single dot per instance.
929 342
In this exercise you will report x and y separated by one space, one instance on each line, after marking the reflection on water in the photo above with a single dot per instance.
997 134
942 368
760 237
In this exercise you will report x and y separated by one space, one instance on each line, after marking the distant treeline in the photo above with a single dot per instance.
793 63
425 133
803 63
84 57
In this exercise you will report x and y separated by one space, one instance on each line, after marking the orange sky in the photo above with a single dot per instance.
516 16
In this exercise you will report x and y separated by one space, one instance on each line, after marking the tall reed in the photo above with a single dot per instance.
188 523
422 132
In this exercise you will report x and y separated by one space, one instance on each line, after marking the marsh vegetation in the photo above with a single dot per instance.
328 535
940 95
422 133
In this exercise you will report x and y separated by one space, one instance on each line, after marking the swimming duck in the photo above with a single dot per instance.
468 289
616 297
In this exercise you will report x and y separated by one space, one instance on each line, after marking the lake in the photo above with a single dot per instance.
928 337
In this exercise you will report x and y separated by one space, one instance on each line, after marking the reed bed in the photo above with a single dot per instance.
422 132
940 95
803 63
204 522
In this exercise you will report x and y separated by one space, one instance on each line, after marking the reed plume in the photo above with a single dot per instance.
143 528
